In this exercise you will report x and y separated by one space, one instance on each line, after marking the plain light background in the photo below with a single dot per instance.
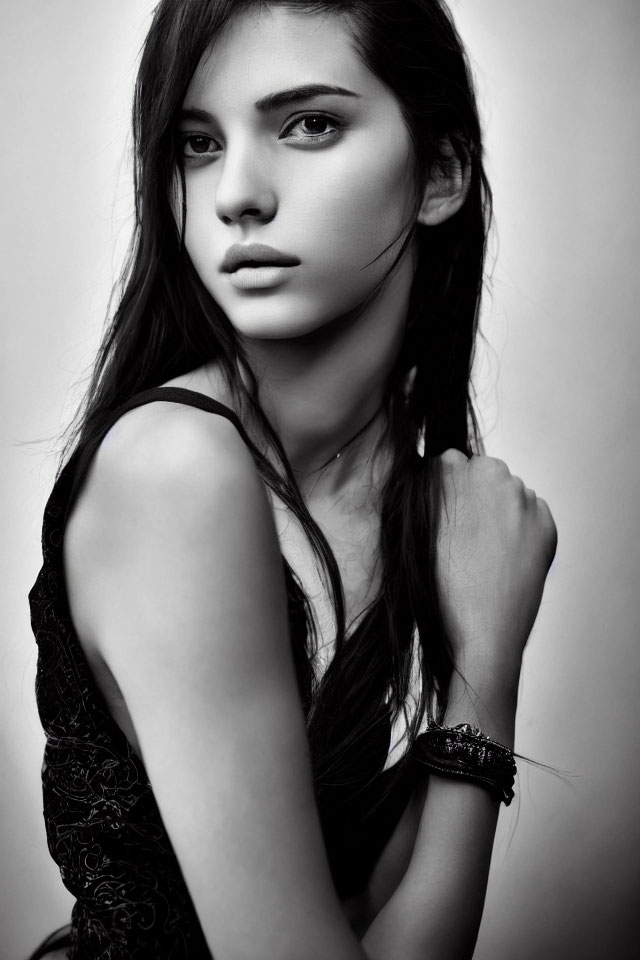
558 390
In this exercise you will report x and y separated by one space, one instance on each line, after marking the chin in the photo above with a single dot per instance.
268 319
276 328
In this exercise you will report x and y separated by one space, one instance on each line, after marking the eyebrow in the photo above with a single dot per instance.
273 101
306 92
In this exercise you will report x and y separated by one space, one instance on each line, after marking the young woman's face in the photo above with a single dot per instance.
323 178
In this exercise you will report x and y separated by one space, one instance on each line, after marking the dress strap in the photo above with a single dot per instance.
191 398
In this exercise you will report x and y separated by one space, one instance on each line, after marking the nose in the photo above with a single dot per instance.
244 190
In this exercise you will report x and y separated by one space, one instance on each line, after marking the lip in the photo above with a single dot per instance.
255 254
260 277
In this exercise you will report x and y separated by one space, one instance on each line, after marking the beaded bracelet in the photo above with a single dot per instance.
465 752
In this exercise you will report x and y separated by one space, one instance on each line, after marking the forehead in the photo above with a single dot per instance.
271 48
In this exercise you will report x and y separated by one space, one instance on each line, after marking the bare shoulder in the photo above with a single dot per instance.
170 442
168 480
157 457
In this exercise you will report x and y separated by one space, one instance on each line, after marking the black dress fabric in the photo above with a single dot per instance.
104 829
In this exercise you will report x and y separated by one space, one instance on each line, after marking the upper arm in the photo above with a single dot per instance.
174 561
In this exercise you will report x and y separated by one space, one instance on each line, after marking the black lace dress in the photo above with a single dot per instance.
104 829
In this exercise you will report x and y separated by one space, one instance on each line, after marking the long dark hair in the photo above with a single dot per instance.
166 324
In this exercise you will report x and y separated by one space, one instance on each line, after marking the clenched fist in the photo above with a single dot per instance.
496 540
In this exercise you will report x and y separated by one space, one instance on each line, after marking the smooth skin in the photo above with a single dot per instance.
172 552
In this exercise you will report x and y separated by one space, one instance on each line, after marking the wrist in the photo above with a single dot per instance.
495 669
485 698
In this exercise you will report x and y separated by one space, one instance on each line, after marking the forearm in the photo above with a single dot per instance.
435 911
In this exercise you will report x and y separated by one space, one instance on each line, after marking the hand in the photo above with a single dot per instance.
496 541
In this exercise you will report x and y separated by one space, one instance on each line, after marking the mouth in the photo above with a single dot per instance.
255 256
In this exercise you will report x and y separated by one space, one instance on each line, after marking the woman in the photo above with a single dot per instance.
278 590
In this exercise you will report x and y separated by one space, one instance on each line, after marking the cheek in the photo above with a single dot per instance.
368 201
201 239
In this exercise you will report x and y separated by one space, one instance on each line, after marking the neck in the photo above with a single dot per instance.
320 390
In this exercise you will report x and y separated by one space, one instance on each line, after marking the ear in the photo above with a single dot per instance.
447 189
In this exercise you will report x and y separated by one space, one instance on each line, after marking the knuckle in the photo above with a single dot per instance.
493 465
452 457
545 512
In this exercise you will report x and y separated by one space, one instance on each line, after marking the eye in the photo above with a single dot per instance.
312 126
196 146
